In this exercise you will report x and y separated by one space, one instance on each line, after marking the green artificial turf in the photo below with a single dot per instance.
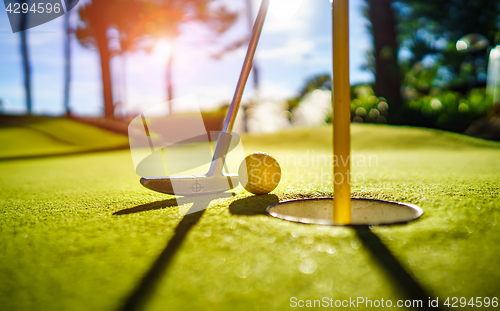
30 136
80 233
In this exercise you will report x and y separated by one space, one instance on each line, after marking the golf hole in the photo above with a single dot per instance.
364 211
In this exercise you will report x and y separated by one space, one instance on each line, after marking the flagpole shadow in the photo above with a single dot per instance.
405 281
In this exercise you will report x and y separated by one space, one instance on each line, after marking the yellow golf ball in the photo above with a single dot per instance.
259 173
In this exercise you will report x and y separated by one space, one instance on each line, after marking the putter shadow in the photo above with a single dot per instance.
254 205
148 207
411 287
148 282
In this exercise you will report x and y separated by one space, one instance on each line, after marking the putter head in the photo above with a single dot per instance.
188 185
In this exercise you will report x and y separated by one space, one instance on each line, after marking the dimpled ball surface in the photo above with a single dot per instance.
259 173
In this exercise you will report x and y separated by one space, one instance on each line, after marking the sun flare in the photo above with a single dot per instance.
285 9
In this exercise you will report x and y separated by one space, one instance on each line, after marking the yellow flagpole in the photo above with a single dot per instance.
341 113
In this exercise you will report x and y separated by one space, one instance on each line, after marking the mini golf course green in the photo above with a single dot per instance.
78 232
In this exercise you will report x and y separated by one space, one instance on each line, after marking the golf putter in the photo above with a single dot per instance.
215 181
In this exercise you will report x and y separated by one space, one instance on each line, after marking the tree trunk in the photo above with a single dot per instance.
124 82
170 90
255 71
385 46
67 63
26 62
107 89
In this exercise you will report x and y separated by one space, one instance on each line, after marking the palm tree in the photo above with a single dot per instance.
130 24
67 55
177 12
138 19
97 18
255 68
385 53
26 61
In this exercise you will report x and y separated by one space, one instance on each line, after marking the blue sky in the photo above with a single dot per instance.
290 50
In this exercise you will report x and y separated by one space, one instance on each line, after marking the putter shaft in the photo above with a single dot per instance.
247 67
215 181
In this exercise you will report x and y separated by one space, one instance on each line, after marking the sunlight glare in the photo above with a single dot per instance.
461 45
163 46
495 53
285 9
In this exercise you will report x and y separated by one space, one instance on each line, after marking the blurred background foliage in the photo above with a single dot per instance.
422 76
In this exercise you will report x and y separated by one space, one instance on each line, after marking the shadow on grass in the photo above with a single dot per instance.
148 207
169 203
254 205
405 281
145 287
